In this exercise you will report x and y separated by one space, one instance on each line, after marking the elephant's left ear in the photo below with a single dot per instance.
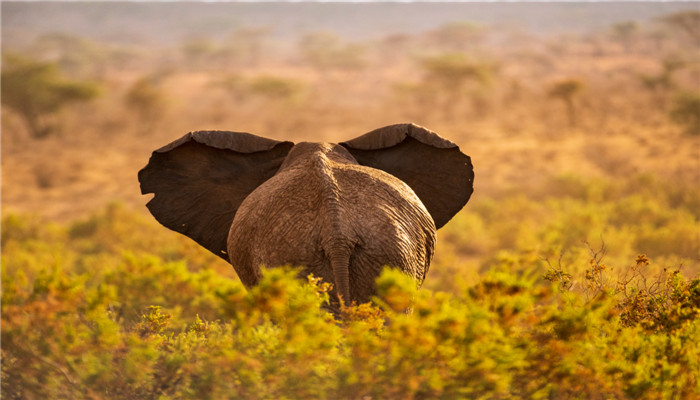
201 179
437 171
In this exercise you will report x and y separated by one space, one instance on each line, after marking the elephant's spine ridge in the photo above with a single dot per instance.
336 245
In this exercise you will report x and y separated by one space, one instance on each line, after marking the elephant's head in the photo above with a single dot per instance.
202 180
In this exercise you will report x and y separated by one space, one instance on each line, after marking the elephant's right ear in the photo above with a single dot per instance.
437 171
201 179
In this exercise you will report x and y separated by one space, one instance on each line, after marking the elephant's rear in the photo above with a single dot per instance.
353 214
389 225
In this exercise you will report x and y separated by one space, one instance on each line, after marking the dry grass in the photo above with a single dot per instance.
517 136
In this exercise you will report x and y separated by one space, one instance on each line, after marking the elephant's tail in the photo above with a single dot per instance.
340 262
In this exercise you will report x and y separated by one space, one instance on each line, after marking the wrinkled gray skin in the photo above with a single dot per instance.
341 211
318 217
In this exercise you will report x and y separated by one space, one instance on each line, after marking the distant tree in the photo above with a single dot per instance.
37 90
276 88
234 85
624 32
687 22
686 111
83 57
325 50
457 78
662 83
246 44
197 48
567 90
272 89
456 36
147 100
658 36
204 53
456 69
395 45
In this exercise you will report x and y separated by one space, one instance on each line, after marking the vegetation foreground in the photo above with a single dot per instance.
114 307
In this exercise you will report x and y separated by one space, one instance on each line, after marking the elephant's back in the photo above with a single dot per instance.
293 218
279 223
284 209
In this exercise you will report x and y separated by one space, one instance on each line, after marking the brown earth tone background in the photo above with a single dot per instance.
479 74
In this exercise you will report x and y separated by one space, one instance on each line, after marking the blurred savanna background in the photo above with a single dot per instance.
582 121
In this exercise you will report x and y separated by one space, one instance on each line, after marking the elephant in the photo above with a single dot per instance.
340 211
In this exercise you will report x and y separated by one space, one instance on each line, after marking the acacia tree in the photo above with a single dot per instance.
567 90
687 22
145 99
624 32
457 77
662 83
37 90
325 50
456 36
247 44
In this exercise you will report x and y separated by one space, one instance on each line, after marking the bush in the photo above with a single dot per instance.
642 215
507 336
81 318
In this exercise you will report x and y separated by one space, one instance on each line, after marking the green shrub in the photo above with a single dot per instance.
643 215
507 336
114 306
